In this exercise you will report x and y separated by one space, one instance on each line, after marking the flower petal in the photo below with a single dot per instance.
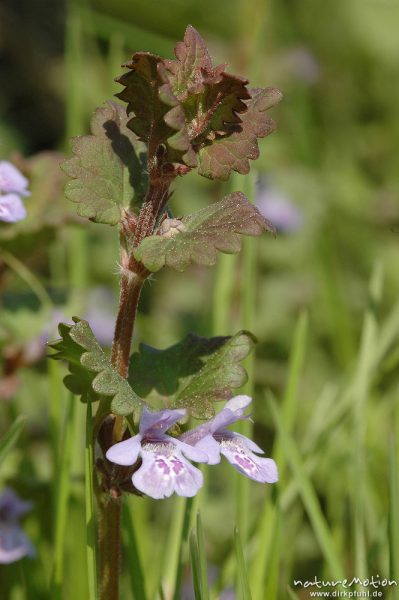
248 442
193 436
163 473
240 456
11 180
12 208
233 411
13 544
125 453
154 423
191 452
211 447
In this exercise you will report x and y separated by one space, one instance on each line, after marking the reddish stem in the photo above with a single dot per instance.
133 276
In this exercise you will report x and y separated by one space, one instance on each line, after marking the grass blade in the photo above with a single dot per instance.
132 555
267 531
247 185
63 498
393 515
195 566
244 592
178 534
9 439
308 495
89 505
202 559
291 594
360 392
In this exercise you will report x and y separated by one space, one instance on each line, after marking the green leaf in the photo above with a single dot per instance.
158 116
108 167
192 374
232 153
91 373
197 237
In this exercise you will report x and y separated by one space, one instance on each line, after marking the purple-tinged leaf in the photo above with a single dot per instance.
193 59
197 237
212 99
192 374
158 116
108 167
232 153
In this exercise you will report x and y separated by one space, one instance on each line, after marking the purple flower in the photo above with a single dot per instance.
12 186
12 208
100 314
278 209
164 469
11 180
13 542
214 439
303 64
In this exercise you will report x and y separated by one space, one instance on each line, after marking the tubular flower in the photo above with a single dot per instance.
164 468
13 542
13 185
214 439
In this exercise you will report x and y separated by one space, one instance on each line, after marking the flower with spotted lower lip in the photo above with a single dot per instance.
214 439
165 468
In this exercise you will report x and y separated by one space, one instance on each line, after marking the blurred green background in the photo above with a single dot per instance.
335 159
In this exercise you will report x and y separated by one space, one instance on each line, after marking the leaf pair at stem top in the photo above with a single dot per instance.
181 114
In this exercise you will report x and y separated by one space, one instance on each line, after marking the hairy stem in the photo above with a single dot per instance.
109 538
131 286
133 277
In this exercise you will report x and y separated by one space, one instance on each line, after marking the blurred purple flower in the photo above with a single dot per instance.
164 469
11 180
303 64
13 542
101 314
12 208
13 185
214 439
35 348
278 209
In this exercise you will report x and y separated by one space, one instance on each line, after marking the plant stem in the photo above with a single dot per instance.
109 545
131 286
134 276
109 504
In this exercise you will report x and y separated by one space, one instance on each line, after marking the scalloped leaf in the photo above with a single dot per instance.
232 153
91 372
197 237
192 374
108 167
193 59
212 99
158 116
